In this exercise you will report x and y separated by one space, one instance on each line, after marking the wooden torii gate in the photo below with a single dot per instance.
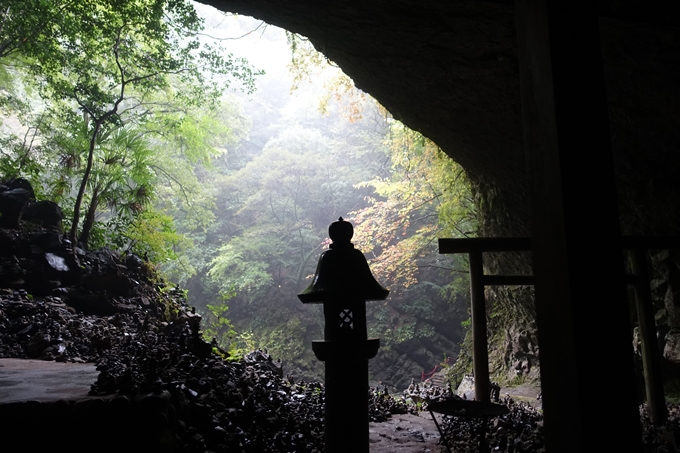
474 247
639 277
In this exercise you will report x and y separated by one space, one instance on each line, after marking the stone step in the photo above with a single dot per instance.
40 380
44 406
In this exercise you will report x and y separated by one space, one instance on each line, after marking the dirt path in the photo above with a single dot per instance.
526 393
405 434
418 433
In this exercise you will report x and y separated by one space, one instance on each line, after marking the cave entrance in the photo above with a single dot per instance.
570 172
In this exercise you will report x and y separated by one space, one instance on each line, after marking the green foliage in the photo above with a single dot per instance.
463 364
20 158
235 268
426 196
216 325
90 51
282 202
273 205
152 234
307 64
242 343
131 134
121 179
104 69
275 209
278 340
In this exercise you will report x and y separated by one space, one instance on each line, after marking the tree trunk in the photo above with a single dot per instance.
81 191
89 219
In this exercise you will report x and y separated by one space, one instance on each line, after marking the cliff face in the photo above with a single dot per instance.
449 69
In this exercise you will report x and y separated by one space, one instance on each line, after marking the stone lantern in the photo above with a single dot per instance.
343 283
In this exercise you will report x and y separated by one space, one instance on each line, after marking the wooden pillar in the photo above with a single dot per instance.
651 357
480 350
584 333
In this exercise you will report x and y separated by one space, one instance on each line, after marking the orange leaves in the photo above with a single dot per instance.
425 194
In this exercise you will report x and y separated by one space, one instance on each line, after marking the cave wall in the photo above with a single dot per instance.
642 69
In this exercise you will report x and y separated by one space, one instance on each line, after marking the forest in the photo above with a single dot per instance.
219 149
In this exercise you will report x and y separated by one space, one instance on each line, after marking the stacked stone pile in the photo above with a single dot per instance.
215 404
382 405
419 394
521 430
664 438
153 351
206 403
114 311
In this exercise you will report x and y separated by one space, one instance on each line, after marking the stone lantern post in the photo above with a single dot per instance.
343 283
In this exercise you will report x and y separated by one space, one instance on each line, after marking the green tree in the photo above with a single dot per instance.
273 217
121 177
117 62
285 199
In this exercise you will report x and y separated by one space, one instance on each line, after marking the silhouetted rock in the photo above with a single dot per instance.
49 240
12 204
44 213
19 183
15 194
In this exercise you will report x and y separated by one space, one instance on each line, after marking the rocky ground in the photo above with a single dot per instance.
405 433
116 312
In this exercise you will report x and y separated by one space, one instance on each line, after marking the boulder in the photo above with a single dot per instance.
671 351
56 262
12 204
110 282
14 196
264 361
18 183
92 304
466 389
8 242
44 213
11 273
47 241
